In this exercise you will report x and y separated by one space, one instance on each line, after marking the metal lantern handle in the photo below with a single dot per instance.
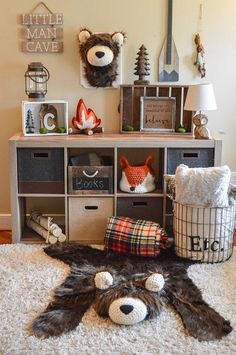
41 82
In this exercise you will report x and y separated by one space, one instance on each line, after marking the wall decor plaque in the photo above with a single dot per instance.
157 114
43 32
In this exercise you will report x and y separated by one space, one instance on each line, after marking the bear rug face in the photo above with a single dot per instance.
128 290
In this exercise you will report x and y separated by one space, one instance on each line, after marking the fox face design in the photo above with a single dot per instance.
137 178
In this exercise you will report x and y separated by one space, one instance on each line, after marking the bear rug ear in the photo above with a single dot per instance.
200 320
71 301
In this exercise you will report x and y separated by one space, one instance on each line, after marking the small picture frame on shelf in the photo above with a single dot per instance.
157 114
49 117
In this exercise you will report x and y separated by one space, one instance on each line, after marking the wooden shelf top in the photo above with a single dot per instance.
112 140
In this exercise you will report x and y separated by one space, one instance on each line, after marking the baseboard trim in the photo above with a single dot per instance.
5 221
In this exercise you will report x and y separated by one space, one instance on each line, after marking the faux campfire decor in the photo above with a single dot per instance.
126 289
85 121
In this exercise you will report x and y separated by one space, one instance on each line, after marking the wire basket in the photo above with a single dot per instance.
204 234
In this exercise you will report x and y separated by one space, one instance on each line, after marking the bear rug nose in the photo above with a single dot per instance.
126 308
100 54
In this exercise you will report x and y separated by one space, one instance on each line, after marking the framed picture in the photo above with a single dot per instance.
157 114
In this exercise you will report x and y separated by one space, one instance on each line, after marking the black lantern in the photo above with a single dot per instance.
36 78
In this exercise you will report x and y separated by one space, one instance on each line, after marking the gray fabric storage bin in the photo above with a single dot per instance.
192 157
40 170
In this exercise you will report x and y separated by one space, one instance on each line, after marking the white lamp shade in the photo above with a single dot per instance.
200 98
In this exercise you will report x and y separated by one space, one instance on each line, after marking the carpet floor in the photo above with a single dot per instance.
28 276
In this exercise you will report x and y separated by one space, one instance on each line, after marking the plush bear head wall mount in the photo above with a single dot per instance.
100 55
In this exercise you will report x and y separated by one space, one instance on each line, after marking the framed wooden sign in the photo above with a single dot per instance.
157 114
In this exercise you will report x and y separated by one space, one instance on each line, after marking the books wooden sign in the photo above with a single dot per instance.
84 180
157 114
43 32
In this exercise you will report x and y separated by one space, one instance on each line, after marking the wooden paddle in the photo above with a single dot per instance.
169 59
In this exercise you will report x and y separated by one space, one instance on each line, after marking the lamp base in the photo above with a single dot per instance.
200 130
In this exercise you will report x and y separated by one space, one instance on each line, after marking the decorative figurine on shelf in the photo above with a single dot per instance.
142 66
100 55
48 118
181 129
85 121
137 178
29 122
200 57
200 129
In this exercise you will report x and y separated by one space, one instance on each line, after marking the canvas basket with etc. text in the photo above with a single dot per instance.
204 234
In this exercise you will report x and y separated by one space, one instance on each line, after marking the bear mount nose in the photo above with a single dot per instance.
132 188
126 308
99 54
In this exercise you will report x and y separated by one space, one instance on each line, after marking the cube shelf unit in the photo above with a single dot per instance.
130 105
83 216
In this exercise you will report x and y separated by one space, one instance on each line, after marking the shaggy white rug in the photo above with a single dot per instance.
28 276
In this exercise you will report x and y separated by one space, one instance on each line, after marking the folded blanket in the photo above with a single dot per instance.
135 236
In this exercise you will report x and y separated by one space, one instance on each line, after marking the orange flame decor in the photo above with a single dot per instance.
85 117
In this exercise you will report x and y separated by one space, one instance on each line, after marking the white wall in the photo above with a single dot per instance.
145 23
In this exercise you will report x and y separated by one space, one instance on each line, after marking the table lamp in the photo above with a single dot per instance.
200 98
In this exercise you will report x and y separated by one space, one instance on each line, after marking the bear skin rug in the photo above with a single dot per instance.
128 290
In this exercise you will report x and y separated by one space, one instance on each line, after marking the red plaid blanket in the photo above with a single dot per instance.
135 236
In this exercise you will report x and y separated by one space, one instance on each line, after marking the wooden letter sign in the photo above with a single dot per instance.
42 33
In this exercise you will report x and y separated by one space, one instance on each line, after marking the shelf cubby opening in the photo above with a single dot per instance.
137 156
49 206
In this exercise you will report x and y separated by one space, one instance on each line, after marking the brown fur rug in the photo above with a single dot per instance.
129 274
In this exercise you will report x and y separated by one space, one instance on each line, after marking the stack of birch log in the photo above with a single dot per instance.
45 227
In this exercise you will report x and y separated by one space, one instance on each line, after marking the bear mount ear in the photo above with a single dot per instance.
84 34
155 282
118 38
103 280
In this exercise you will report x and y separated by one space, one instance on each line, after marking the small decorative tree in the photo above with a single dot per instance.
142 66
29 123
